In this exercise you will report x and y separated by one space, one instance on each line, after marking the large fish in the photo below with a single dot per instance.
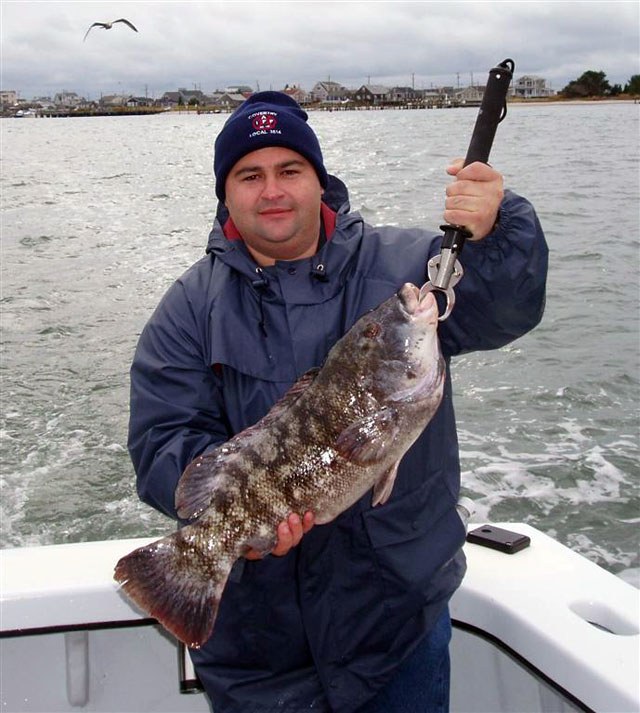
338 432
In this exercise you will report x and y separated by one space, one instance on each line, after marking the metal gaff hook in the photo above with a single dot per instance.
444 270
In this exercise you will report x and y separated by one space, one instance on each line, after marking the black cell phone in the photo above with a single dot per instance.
498 539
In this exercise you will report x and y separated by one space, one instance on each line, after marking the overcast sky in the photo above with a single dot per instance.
211 45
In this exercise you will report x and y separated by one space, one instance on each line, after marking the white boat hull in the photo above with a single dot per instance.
522 638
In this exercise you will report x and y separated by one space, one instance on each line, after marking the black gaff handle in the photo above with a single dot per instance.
492 111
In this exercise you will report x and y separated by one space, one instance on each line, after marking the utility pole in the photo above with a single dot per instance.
458 79
413 80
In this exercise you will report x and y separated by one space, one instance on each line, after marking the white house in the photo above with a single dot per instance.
9 97
531 86
329 92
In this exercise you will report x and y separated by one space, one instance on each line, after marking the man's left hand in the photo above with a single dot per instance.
474 198
290 532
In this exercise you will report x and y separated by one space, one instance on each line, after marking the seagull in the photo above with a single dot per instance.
109 25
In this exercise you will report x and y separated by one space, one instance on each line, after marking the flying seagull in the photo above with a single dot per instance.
109 25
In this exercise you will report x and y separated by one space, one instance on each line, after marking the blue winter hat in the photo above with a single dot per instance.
265 119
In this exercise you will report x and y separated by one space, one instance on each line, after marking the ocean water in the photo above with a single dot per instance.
100 215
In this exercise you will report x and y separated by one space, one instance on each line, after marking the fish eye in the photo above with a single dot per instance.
372 330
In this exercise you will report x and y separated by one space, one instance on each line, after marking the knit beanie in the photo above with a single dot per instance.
265 119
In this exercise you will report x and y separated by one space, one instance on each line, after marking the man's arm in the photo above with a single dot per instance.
176 406
501 295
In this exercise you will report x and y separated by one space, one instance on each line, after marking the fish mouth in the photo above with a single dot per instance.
417 305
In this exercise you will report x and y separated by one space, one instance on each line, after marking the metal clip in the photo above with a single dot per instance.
444 271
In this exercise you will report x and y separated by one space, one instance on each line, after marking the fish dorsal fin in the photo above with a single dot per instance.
293 394
205 474
367 440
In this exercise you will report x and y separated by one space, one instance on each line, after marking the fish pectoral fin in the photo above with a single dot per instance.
382 489
366 441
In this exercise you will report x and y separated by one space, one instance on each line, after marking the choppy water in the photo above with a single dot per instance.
100 215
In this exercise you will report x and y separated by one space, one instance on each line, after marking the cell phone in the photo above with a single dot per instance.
498 539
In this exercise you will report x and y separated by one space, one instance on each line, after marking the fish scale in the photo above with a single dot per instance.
338 432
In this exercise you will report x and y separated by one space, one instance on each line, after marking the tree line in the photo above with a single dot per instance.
595 84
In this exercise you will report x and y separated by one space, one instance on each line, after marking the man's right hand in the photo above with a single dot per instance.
290 533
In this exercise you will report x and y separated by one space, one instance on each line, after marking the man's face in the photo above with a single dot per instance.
273 196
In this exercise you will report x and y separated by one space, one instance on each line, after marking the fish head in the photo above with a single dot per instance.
397 352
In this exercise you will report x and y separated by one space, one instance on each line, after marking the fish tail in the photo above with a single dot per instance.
168 579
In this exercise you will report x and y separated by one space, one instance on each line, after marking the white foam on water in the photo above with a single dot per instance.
115 448
631 575
510 475
574 430
33 482
570 470
582 543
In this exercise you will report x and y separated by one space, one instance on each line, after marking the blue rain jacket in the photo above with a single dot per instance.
326 625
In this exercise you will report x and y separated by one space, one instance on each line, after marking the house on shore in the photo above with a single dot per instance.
404 95
67 99
140 101
437 97
469 95
228 101
329 93
114 100
372 95
183 97
8 97
169 99
239 89
298 93
531 87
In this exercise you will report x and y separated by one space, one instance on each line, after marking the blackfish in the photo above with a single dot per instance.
338 432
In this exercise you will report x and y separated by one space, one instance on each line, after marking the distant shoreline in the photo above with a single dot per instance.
196 110
552 101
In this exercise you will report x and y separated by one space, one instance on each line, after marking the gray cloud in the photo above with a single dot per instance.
212 44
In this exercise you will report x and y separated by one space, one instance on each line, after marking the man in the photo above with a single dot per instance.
349 616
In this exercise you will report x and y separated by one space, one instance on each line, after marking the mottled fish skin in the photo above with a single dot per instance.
338 432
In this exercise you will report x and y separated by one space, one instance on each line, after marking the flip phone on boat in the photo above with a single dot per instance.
498 539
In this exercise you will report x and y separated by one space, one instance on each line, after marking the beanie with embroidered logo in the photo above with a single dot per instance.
265 119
